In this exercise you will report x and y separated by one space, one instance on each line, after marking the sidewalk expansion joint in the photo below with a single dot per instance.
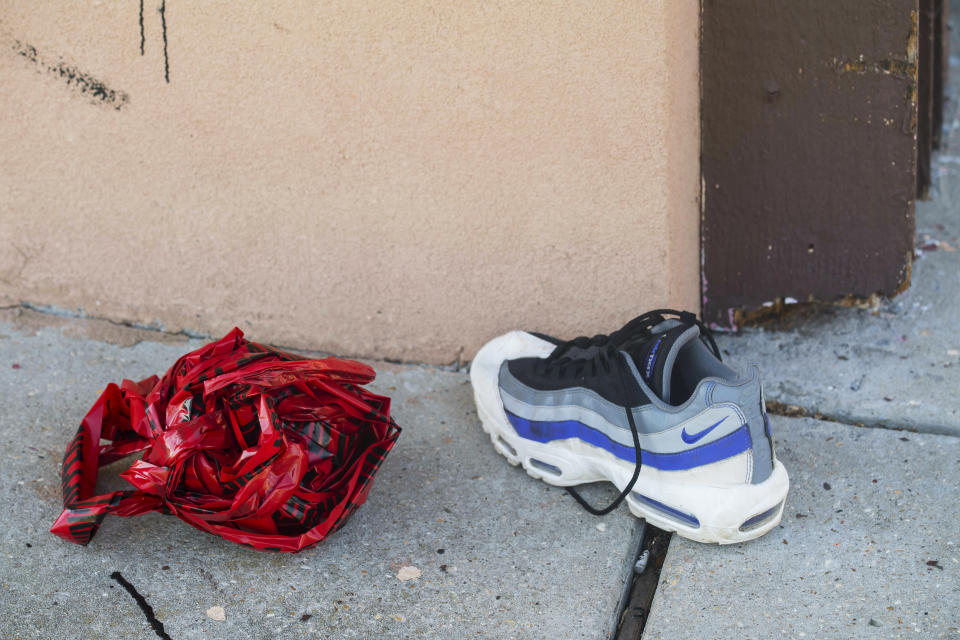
155 624
643 586
796 411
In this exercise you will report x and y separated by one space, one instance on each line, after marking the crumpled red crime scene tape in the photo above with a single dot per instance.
261 447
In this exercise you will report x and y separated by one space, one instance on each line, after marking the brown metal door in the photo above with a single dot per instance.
809 150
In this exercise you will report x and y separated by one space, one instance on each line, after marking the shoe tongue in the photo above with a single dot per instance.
656 357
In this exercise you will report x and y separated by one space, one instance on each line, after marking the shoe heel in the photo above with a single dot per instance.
723 514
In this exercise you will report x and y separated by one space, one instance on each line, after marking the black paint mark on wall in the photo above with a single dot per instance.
82 82
163 22
162 10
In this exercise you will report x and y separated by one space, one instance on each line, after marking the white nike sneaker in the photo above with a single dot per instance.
652 409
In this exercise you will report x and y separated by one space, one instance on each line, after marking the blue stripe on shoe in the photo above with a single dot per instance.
720 449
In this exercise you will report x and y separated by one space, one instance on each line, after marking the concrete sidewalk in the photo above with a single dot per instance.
483 534
868 546
868 543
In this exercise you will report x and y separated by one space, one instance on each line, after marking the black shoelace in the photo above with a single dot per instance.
609 351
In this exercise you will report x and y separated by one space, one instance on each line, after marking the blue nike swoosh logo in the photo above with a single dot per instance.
690 438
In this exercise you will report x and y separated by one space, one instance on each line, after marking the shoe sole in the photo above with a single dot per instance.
713 513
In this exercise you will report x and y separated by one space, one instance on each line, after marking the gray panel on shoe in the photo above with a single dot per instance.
666 441
747 397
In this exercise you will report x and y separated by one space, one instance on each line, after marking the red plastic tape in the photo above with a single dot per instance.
262 447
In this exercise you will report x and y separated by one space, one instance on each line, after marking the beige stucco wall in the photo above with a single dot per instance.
369 178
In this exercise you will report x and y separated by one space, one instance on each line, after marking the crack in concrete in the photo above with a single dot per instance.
155 624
